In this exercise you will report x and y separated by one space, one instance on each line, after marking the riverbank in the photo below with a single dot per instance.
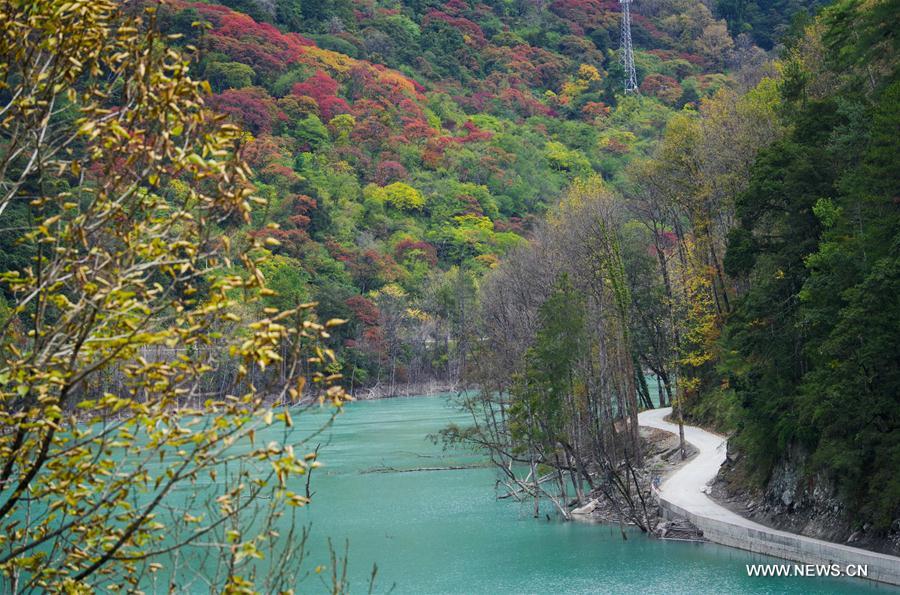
684 493
445 532
661 457
429 388
789 503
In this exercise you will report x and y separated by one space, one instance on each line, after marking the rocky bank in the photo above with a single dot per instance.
792 502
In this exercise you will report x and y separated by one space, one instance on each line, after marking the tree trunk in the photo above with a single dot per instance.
659 391
562 482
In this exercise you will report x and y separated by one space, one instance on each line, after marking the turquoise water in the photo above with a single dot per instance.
445 532
436 532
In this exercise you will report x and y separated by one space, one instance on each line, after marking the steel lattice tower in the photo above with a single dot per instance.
627 52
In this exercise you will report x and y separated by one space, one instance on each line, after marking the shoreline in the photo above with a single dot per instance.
429 388
684 494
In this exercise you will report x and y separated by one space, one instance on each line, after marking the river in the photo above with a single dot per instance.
445 532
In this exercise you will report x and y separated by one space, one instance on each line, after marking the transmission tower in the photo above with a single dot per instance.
627 52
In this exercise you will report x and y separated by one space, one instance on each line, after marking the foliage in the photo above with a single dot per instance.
750 256
128 369
812 337
765 22
540 393
229 75
456 125
400 195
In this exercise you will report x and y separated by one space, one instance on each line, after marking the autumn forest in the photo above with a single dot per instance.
215 216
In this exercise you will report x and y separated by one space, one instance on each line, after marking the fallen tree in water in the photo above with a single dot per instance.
418 469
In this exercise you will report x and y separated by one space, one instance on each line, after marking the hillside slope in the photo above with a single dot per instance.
404 147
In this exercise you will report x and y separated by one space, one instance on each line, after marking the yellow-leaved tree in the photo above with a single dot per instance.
133 389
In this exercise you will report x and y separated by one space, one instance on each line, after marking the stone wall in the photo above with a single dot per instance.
806 550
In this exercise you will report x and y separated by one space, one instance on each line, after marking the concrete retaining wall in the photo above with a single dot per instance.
881 567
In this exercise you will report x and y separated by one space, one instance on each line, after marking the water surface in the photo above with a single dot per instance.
445 532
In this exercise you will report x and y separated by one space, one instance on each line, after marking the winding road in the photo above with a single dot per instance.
683 493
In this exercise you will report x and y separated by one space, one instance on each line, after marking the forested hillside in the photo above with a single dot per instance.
403 148
748 266
809 353
215 216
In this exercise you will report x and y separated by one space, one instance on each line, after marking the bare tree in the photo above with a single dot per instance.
555 412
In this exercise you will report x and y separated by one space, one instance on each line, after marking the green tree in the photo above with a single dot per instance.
311 131
849 304
810 346
399 195
229 75
549 379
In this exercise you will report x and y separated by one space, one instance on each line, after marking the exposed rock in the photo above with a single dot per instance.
795 502
732 455
586 509
678 529
787 497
